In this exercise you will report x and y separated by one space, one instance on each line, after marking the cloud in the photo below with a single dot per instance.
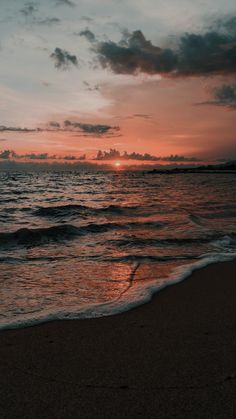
89 87
213 52
83 157
224 95
65 3
207 54
54 124
136 54
177 158
10 154
6 154
80 128
33 156
63 59
97 129
3 128
142 116
88 35
227 25
135 116
47 21
115 154
29 9
112 154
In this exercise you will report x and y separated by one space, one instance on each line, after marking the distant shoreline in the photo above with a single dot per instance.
192 171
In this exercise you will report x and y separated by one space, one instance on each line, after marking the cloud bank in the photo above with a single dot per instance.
114 154
85 129
11 155
213 52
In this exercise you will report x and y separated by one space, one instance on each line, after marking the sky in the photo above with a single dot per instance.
152 78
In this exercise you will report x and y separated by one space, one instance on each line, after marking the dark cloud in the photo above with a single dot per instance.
54 124
227 25
3 140
82 129
47 21
135 116
101 155
33 156
3 128
97 129
89 87
29 10
224 95
177 158
10 154
88 35
115 154
70 158
6 154
213 52
136 54
63 59
207 54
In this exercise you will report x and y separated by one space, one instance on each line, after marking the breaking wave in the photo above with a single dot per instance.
32 237
83 210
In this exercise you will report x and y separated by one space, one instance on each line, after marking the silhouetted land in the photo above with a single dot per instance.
219 168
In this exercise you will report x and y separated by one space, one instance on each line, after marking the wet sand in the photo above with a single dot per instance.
174 357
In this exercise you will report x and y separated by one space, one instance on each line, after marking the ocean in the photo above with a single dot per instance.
78 245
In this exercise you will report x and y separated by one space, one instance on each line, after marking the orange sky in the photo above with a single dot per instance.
110 67
159 117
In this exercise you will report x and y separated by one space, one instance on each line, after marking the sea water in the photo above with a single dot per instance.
76 244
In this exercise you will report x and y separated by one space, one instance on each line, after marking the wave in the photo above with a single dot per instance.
149 258
143 242
34 237
83 210
201 219
27 236
134 297
229 213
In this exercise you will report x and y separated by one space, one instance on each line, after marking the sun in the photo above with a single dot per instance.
117 164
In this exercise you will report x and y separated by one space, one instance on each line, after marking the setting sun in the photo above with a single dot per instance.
117 164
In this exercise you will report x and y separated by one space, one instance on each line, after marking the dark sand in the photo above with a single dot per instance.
172 358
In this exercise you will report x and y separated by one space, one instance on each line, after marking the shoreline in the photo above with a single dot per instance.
137 297
171 357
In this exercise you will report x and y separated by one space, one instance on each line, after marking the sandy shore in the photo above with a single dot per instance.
172 358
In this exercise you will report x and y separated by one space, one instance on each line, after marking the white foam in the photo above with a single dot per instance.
136 296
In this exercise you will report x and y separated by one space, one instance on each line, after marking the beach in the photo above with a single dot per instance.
173 357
